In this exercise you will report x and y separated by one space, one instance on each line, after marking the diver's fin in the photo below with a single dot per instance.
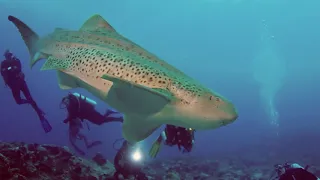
135 128
46 125
66 81
55 63
137 98
155 148
29 37
96 23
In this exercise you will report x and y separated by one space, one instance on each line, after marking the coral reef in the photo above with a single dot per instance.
20 161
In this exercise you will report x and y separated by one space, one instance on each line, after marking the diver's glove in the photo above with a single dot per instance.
155 147
45 125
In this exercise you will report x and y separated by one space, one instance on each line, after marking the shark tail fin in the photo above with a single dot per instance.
29 37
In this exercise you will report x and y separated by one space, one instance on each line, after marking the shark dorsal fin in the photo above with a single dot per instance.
96 23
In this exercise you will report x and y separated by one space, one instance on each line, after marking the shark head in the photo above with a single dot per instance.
205 110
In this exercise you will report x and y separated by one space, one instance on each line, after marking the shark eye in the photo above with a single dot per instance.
211 97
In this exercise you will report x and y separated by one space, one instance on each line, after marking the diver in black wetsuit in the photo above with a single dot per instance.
174 135
75 125
82 107
126 164
14 78
79 108
293 172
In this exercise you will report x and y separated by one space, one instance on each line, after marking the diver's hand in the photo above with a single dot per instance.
155 149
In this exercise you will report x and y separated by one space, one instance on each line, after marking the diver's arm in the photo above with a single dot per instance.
3 74
17 62
5 78
2 70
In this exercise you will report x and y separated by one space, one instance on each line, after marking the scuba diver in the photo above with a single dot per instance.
293 172
14 78
79 106
174 135
74 133
127 163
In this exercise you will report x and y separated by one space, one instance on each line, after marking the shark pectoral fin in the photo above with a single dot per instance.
96 23
161 93
135 98
135 129
66 81
55 63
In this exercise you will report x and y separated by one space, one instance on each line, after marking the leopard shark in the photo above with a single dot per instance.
147 90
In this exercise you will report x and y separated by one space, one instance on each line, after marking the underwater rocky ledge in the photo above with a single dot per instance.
21 161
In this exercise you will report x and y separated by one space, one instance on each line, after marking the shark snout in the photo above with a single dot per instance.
231 113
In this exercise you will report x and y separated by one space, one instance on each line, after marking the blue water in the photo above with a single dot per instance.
215 42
